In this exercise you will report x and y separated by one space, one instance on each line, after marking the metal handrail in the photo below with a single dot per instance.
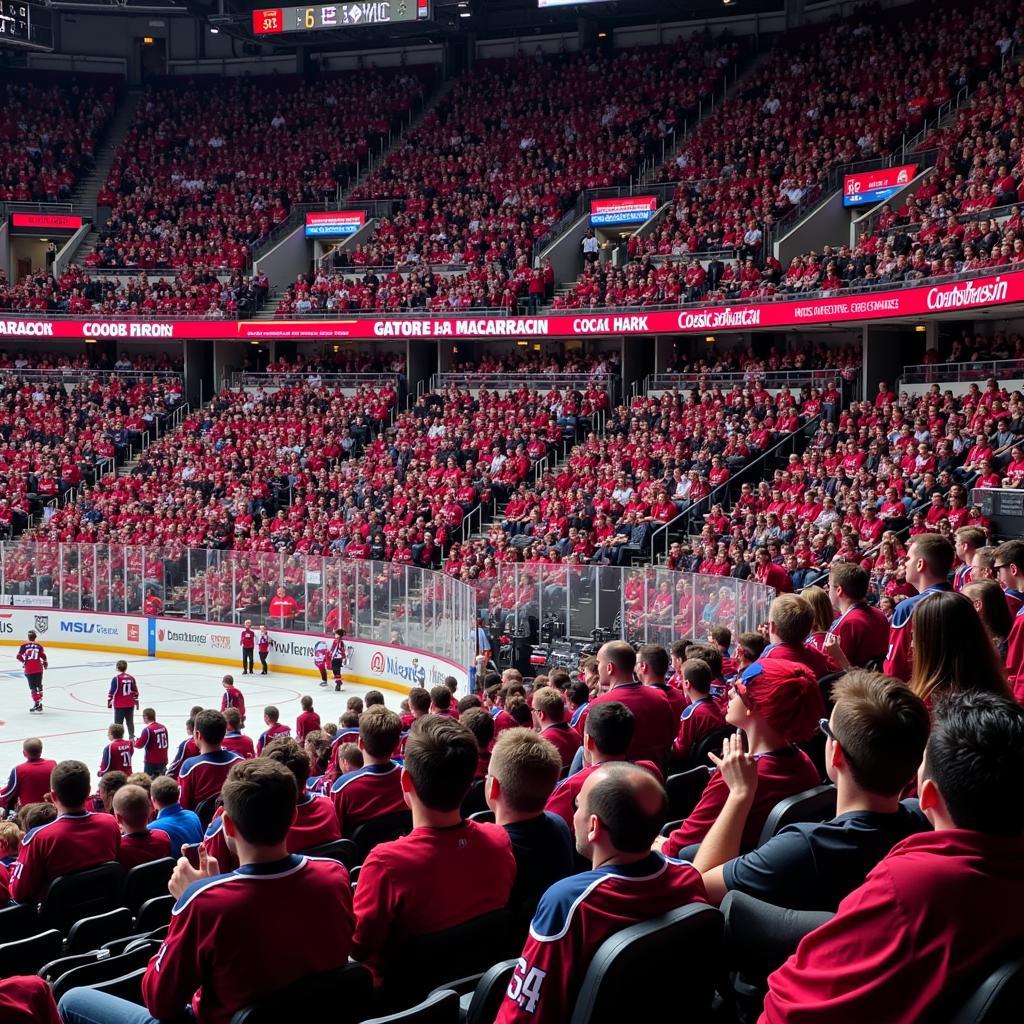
80 375
247 378
743 378
956 373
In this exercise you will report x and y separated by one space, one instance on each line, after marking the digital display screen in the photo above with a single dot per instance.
273 20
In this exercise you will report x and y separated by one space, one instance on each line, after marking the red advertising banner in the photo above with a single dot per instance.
45 222
951 296
628 210
876 186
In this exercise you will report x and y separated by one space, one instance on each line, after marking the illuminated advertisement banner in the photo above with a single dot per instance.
876 186
334 224
949 296
45 222
630 210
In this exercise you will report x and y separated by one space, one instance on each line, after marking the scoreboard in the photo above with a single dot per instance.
15 21
274 20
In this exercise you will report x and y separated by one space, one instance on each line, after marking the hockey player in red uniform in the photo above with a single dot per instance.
123 697
263 647
33 659
336 655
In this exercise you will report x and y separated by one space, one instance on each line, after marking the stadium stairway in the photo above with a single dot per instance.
89 187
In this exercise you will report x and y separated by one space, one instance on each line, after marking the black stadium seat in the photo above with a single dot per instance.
128 986
105 969
81 894
154 913
347 991
441 1007
18 921
206 809
652 951
344 851
709 743
999 999
489 992
474 800
381 830
93 932
26 956
818 804
684 790
145 881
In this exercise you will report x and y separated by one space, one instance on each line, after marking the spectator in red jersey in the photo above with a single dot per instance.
790 619
967 542
921 929
860 631
481 725
1009 569
194 968
27 1000
884 728
232 697
308 721
404 887
523 772
117 754
549 714
283 607
153 741
271 719
652 668
76 839
201 777
770 574
233 738
29 782
139 844
655 725
620 809
777 704
375 789
701 714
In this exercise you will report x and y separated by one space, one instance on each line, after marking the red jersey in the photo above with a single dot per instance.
71 842
405 887
202 777
307 722
863 633
575 916
232 698
899 657
123 692
142 847
817 663
117 757
27 999
654 726
368 792
780 773
1015 656
33 657
28 783
248 639
920 927
565 739
697 720
272 733
263 643
153 741
223 949
187 749
239 744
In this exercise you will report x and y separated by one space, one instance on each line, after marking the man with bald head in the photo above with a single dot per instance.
656 724
618 813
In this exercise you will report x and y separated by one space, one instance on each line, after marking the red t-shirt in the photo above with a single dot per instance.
863 633
142 847
654 726
27 999
239 744
565 739
780 774
307 722
920 928
28 783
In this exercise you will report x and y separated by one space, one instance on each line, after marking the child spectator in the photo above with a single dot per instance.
271 717
117 754
233 738
308 721
139 844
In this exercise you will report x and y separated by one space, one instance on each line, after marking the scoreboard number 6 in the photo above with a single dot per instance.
309 18
524 988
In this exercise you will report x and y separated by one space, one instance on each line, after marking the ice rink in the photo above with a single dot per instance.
75 717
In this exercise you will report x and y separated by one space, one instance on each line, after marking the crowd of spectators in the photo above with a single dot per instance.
506 152
210 166
88 358
189 293
49 133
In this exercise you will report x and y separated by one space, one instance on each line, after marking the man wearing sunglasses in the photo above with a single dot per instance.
875 737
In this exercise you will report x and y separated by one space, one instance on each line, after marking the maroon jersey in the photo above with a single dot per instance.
697 720
202 777
117 757
223 949
575 916
232 698
920 927
71 842
272 733
307 722
153 741
123 692
405 887
248 639
142 847
28 783
565 739
263 642
1015 657
563 800
899 657
366 793
239 744
187 749
654 726
780 773
33 657
814 661
863 633
27 999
